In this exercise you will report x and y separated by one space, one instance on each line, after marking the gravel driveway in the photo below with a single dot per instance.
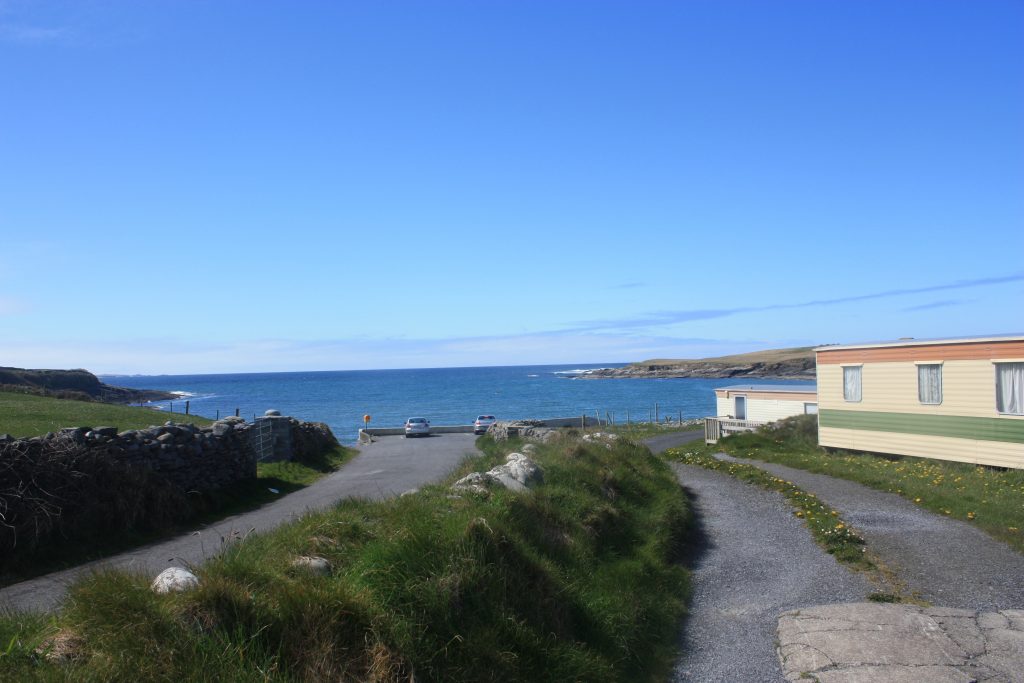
754 561
947 562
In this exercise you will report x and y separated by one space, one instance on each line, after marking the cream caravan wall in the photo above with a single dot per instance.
968 388
763 407
890 418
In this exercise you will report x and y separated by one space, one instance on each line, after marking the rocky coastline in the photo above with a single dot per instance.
78 384
786 364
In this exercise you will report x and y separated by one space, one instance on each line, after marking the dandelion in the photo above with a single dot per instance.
917 500
970 515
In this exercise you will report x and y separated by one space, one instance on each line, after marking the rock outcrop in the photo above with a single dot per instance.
526 429
518 473
74 384
779 364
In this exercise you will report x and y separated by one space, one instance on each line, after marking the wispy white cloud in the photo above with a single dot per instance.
659 318
935 304
33 35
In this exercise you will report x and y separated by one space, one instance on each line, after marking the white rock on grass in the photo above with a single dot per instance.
174 580
607 439
474 482
517 474
522 469
313 564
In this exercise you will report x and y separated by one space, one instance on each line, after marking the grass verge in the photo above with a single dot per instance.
989 498
24 415
272 481
575 580
638 431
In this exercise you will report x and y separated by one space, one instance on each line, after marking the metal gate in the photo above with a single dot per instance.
262 439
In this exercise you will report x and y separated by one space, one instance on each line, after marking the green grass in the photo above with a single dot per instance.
24 415
577 580
642 430
989 498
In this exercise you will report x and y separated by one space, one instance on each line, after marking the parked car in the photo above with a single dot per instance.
482 423
417 426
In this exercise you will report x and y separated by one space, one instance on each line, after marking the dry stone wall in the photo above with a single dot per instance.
190 457
84 481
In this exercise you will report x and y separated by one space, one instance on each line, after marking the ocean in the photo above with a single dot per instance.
445 396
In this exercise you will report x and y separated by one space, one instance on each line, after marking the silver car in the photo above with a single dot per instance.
482 423
417 426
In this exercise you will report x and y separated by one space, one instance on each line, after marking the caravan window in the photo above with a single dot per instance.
929 383
851 383
1010 388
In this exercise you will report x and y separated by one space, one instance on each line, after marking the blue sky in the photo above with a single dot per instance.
238 186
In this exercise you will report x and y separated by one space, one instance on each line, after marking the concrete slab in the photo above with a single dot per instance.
894 643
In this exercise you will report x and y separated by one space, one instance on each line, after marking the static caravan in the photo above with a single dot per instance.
745 407
765 402
949 399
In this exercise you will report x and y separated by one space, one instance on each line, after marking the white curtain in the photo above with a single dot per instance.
929 383
1010 388
851 383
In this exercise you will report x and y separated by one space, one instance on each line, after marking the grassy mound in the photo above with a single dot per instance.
576 580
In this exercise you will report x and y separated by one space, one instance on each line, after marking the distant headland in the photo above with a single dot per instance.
74 384
796 363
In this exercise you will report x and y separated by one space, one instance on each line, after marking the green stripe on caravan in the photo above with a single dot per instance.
956 426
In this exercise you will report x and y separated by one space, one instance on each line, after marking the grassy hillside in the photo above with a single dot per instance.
575 581
768 357
27 415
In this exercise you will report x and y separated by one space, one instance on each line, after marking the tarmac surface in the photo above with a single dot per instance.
387 467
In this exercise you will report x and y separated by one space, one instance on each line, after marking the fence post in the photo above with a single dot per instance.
236 412
186 407
656 413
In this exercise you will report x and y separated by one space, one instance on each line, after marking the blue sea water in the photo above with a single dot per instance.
445 396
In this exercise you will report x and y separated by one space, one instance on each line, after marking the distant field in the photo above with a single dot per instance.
24 415
768 357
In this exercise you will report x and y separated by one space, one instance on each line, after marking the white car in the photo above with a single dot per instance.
482 423
417 426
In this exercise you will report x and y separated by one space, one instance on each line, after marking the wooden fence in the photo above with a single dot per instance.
717 427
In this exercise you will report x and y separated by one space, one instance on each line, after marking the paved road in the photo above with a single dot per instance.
384 468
